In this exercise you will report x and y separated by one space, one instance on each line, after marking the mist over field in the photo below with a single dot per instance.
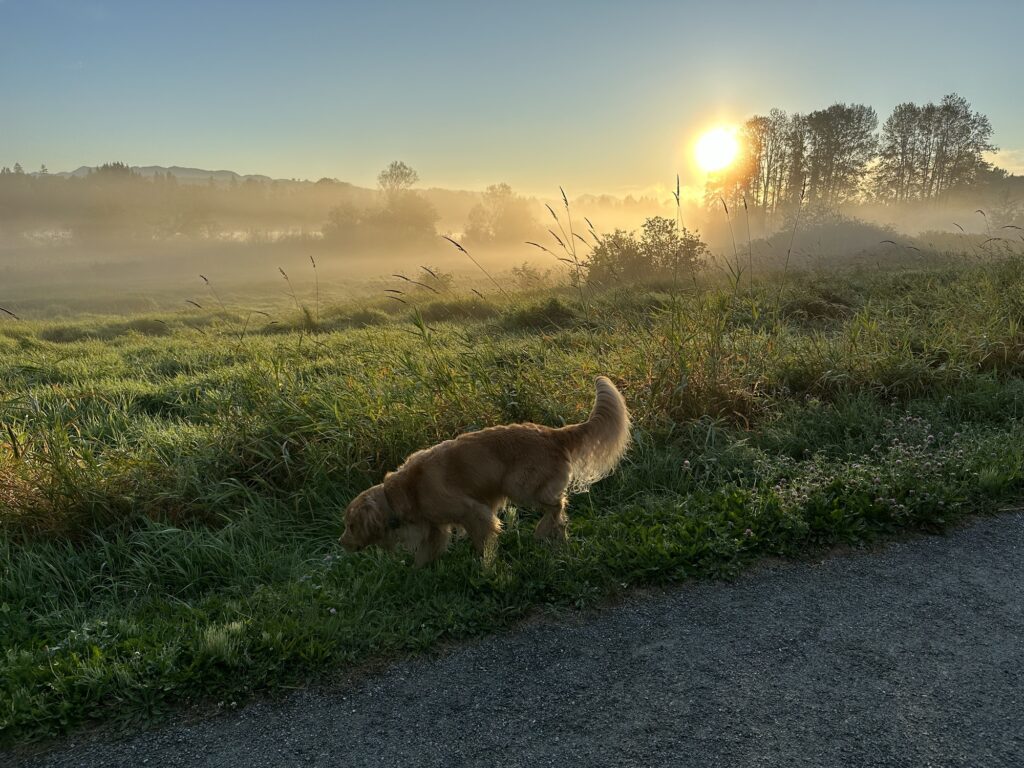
805 190
121 238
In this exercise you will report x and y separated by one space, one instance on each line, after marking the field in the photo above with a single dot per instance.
171 484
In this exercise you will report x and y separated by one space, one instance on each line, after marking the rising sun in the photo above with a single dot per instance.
717 148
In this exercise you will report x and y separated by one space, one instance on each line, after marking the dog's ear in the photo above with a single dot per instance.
378 518
397 498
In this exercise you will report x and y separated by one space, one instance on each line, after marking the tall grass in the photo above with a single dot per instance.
169 509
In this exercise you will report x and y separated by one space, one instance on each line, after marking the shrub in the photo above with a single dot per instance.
553 313
364 318
663 251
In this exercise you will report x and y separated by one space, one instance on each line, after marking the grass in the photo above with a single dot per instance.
171 486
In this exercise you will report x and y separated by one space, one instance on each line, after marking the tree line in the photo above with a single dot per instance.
114 202
838 155
403 214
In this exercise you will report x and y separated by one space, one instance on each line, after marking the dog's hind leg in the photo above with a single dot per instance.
552 502
432 545
554 523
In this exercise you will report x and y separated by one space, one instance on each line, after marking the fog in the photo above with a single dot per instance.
120 239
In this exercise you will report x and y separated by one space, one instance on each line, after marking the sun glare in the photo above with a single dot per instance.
717 148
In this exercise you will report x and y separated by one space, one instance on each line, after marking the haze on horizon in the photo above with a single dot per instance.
594 97
377 141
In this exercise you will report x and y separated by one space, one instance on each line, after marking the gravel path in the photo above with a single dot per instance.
911 656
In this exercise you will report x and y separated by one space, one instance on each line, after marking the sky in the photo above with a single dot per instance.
594 96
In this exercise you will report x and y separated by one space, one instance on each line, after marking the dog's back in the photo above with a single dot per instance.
523 462
490 465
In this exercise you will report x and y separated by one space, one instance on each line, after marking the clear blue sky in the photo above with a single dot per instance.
598 96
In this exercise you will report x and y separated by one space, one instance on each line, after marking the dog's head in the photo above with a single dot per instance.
369 519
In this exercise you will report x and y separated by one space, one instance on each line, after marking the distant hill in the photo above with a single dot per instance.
183 175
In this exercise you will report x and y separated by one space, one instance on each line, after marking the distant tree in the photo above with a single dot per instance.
962 139
899 156
502 217
18 170
43 170
796 148
841 145
116 170
478 225
770 171
190 219
344 223
928 151
765 140
396 178
404 216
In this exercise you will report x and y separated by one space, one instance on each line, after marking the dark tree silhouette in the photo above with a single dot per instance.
841 145
834 156
899 156
931 150
397 177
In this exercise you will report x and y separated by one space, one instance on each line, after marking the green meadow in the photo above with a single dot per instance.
171 484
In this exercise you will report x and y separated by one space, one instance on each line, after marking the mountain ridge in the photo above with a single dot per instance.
181 173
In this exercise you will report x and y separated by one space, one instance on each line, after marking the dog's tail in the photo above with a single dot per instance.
597 445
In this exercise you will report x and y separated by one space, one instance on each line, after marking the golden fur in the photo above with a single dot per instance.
466 481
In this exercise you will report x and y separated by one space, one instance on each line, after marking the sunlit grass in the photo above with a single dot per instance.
171 485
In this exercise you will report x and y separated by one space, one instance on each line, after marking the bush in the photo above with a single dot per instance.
826 238
663 251
364 318
553 313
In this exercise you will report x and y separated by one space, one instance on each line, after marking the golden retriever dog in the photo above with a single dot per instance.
465 482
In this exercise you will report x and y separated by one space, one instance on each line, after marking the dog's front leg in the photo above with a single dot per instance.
482 526
432 545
